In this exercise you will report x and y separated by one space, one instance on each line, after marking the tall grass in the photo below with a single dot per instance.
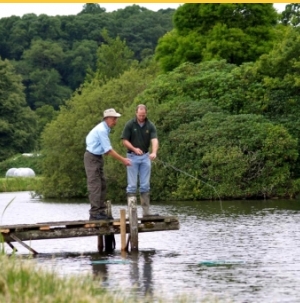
19 184
22 280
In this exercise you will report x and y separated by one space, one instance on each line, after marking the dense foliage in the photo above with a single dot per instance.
17 120
228 121
237 32
54 53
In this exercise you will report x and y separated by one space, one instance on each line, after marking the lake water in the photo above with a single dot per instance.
254 247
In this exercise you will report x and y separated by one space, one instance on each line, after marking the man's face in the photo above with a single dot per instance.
141 115
111 121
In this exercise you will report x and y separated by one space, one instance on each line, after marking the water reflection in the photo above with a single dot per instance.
138 268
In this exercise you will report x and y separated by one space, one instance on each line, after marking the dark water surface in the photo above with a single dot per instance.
259 242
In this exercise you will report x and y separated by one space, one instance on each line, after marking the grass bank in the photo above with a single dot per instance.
19 184
22 280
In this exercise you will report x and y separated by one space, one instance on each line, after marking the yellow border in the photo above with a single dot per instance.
118 1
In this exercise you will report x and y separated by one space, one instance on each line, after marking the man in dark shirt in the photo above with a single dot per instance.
139 133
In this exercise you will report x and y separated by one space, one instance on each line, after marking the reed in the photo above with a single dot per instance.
19 184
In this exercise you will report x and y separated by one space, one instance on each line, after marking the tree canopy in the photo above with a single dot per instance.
237 32
66 46
17 120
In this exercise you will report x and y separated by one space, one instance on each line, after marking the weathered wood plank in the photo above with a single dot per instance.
100 229
158 226
81 222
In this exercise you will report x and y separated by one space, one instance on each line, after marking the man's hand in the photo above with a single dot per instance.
126 161
152 156
138 151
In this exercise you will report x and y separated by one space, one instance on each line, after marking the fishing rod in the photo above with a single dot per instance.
189 175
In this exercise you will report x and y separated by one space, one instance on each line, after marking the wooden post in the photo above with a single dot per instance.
109 240
24 244
100 243
123 228
108 208
133 223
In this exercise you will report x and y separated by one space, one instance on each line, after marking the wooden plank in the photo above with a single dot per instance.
60 233
159 226
24 244
80 223
158 219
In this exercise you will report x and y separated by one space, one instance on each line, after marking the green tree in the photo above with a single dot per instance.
92 8
39 68
141 27
78 60
114 57
17 121
236 32
291 14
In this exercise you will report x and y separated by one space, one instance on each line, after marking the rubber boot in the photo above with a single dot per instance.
145 202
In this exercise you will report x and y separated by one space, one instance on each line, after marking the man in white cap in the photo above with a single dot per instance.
97 145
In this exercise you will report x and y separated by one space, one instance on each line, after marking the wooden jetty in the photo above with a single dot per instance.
103 229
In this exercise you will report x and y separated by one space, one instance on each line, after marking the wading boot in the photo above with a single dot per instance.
145 202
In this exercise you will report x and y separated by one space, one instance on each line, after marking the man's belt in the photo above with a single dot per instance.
131 152
99 156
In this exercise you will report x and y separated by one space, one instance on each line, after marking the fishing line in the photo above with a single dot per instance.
208 262
189 175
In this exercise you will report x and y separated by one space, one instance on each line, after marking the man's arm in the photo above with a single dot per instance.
129 146
154 148
115 155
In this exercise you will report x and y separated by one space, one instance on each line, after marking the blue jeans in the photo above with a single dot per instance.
140 167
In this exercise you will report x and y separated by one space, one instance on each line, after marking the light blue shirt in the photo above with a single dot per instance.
97 141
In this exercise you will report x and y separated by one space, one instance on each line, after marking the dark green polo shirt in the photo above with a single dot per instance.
139 136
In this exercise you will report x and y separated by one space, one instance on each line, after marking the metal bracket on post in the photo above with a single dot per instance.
133 222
